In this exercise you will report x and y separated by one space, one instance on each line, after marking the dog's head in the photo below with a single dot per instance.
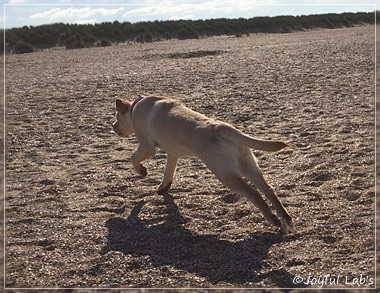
123 125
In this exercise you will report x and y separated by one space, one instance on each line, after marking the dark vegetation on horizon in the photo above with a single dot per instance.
31 38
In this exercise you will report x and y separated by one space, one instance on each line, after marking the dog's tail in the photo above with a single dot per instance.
232 134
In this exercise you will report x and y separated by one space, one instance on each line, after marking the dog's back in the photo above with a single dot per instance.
172 120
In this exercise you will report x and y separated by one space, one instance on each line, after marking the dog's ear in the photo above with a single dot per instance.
122 106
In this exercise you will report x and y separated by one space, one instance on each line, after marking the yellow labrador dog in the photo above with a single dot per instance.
177 130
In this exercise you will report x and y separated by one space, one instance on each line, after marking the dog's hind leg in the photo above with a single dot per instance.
225 165
286 219
171 163
232 179
253 173
238 185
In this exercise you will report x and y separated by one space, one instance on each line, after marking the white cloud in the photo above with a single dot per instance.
86 21
18 1
203 9
107 12
27 13
228 6
188 16
60 14
155 10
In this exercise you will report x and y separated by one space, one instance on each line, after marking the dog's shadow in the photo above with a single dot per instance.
171 244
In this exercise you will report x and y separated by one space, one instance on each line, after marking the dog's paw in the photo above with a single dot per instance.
274 220
163 189
286 225
286 229
142 171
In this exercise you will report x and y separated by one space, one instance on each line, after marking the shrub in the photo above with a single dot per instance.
104 43
22 47
80 36
74 42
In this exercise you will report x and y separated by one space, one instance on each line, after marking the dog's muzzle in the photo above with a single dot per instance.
115 129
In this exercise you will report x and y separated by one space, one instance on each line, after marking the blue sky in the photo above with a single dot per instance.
17 13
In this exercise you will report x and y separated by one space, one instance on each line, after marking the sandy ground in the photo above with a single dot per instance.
77 215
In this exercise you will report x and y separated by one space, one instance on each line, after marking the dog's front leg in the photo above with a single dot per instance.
142 153
171 163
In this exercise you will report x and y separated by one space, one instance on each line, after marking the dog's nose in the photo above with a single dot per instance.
114 128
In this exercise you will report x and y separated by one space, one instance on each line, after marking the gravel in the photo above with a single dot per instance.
78 216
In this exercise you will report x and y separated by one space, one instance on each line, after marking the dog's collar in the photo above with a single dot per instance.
135 101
